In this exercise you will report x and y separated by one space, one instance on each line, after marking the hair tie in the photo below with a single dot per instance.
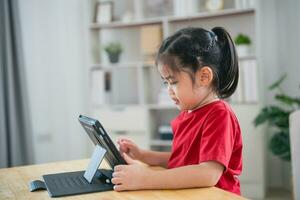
212 41
213 35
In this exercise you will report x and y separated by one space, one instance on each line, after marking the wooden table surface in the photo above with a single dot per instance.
14 184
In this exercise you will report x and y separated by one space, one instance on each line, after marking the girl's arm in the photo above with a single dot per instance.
136 176
155 158
203 175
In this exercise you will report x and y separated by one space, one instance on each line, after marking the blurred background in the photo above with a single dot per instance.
60 59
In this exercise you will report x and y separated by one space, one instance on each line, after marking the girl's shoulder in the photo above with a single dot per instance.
223 108
222 105
216 108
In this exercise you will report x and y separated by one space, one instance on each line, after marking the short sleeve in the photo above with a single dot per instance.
217 138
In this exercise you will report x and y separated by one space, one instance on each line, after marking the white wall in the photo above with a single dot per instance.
53 33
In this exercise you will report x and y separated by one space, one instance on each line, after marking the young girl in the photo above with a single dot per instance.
200 68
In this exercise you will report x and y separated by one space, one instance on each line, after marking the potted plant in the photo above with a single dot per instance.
277 117
113 49
243 43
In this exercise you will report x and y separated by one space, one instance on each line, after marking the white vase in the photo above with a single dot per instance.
243 50
180 8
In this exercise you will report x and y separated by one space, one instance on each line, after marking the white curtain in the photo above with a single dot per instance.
15 133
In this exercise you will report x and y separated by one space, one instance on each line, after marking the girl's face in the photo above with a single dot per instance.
186 94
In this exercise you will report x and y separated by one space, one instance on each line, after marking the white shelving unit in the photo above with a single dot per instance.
133 111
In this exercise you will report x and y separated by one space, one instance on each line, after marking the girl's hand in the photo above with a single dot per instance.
130 177
130 148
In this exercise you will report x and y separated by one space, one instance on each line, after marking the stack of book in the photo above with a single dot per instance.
165 132
100 87
247 91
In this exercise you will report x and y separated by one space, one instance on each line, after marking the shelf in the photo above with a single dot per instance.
204 15
172 19
131 106
123 65
158 142
120 65
248 57
118 24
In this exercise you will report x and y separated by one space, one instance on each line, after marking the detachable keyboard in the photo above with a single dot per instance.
72 183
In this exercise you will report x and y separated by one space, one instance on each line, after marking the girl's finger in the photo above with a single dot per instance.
116 181
116 174
128 159
123 148
119 188
126 140
128 144
118 168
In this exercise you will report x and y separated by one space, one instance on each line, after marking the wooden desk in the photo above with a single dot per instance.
14 185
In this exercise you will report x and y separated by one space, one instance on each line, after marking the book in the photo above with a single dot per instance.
250 81
238 95
100 87
97 87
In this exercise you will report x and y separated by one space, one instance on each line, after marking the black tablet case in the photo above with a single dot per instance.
93 179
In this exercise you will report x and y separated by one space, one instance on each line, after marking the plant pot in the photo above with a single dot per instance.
114 58
243 50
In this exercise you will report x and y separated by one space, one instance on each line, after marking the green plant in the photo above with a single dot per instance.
113 48
242 39
277 117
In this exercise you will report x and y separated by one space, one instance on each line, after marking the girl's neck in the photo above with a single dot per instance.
211 97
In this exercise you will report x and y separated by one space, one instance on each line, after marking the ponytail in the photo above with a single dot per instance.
228 73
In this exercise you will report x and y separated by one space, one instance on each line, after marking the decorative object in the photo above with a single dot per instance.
157 8
186 8
244 4
127 16
277 117
165 132
104 12
113 50
242 43
107 87
179 8
214 5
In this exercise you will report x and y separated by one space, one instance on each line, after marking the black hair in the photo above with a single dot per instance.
189 49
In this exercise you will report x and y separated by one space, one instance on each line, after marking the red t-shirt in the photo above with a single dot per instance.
209 133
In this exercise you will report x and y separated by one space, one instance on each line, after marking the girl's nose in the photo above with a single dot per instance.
170 90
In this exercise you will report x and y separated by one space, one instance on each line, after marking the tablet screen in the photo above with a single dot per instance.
100 137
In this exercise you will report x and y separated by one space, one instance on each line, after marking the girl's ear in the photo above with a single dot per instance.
204 76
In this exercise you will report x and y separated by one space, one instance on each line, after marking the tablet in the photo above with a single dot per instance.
99 136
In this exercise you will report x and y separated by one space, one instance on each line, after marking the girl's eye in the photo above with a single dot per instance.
171 83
